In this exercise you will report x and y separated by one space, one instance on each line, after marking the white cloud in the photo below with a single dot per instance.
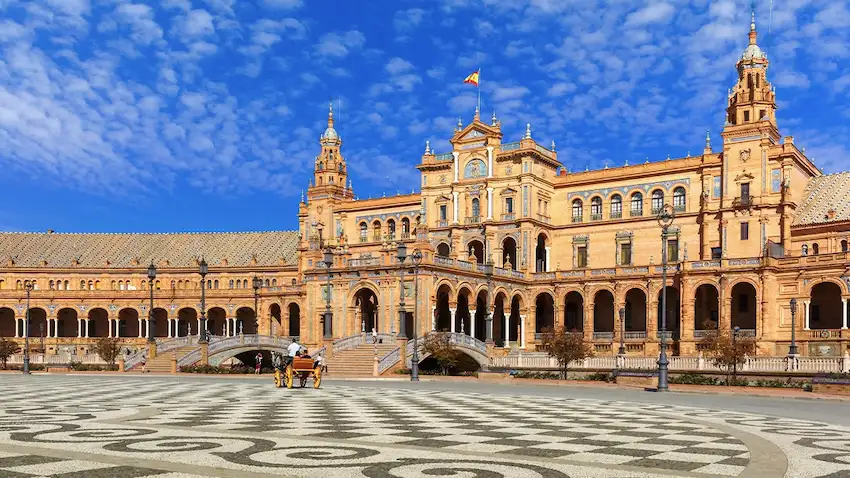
409 19
398 65
283 4
197 23
650 14
339 45
791 79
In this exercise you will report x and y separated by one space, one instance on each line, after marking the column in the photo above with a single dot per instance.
87 328
522 331
457 164
199 326
433 317
452 311
472 322
79 328
806 307
507 329
17 327
140 327
546 269
489 162
455 207
110 327
490 203
844 313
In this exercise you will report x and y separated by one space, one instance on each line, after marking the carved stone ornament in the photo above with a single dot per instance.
442 179
745 155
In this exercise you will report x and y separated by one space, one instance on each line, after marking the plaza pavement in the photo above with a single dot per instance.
80 426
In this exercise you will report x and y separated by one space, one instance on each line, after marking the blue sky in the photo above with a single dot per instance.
187 115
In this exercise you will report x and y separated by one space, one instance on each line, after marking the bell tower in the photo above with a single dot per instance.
330 172
752 100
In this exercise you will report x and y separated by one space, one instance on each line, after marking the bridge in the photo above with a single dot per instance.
474 348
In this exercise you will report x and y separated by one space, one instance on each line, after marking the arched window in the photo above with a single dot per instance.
616 207
815 249
82 285
391 229
173 284
209 284
67 286
405 228
144 285
657 201
679 199
215 284
157 284
274 282
231 283
267 282
805 249
596 208
363 232
475 169
844 246
321 166
577 210
476 210
376 231
97 285
51 285
637 204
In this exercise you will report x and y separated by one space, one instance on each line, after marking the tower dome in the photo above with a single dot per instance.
330 134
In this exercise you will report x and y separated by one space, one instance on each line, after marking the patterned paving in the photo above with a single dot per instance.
93 426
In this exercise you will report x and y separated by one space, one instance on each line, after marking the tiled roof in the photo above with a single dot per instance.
120 250
824 194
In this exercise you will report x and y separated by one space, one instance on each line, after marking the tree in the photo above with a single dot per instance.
565 347
108 350
7 349
439 346
726 351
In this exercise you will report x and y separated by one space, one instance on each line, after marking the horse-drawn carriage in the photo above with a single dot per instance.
301 367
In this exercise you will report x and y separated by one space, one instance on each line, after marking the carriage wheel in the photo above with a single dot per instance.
289 376
303 378
278 380
317 377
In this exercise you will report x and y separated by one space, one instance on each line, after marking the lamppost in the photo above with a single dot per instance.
401 253
792 350
622 351
151 277
257 283
488 273
665 219
28 287
414 367
328 259
735 331
203 270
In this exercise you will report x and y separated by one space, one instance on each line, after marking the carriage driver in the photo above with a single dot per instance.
292 352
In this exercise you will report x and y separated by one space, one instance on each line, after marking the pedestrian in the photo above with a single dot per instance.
144 364
259 362
374 336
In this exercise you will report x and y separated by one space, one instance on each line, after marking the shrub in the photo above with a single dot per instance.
693 379
7 349
597 377
565 347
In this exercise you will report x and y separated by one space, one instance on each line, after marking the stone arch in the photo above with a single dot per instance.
443 299
246 320
160 322
515 319
443 249
603 310
38 322
475 249
128 322
673 309
276 319
841 285
364 284
500 297
294 311
8 323
574 311
465 303
368 309
67 322
509 253
706 306
544 312
479 319
635 309
825 306
541 255
744 305
98 322
217 321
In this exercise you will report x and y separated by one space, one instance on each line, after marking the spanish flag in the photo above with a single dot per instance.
473 78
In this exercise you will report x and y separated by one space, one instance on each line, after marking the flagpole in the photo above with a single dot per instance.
479 90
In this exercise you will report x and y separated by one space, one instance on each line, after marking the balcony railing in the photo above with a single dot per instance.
543 218
679 207
405 235
634 336
742 202
509 217
577 219
656 210
636 212
596 217
473 220
441 223
391 236
376 237
603 336
364 238
616 214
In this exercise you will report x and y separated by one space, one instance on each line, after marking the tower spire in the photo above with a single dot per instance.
330 114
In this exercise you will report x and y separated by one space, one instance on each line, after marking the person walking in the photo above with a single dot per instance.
374 336
258 363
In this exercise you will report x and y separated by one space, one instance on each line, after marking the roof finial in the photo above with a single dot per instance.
477 113
427 147
668 156
708 139
330 113
350 186
527 131
302 196
647 160
459 124
606 164
553 145
627 161
494 120
753 18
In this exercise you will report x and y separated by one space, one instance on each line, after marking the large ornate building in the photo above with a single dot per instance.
756 224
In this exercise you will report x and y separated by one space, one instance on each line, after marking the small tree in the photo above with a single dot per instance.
108 350
565 347
726 351
439 346
7 349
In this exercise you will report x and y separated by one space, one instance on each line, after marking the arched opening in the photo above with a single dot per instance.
38 323
67 323
160 322
574 312
476 252
636 208
294 320
443 321
603 312
462 315
706 307
8 324
577 210
476 210
367 303
128 323
825 309
679 199
480 319
98 323
499 328
635 311
277 324
541 254
544 316
376 231
616 206
657 201
844 246
405 228
391 229
443 250
815 249
672 311
364 232
596 209
744 306
187 321
514 320
509 253
246 321
217 322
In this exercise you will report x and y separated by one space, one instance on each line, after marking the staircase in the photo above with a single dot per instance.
358 360
162 362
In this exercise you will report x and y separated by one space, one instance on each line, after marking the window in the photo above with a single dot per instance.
581 256
173 284
716 253
577 210
679 199
405 228
672 250
745 231
625 254
443 212
746 116
745 193
616 207
657 201
476 209
231 283
274 282
596 208
215 284
815 249
67 286
509 205
82 285
266 282
376 231
50 285
391 229
761 114
363 232
805 250
209 284
844 246
637 204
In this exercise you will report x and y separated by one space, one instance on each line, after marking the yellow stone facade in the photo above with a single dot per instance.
756 224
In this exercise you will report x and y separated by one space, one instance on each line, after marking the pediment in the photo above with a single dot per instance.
744 177
473 134
508 192
443 198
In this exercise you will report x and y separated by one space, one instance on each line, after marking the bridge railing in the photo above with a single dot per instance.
388 360
355 341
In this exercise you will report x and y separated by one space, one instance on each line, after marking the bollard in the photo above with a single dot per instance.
121 364
173 363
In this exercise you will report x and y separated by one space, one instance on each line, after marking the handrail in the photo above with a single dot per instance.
388 360
135 359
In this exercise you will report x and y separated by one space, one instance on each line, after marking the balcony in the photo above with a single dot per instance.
616 214
634 336
473 220
543 218
577 219
603 336
743 202
364 238
391 237
509 217
679 207
376 237
636 213
596 217
441 223
656 210
405 235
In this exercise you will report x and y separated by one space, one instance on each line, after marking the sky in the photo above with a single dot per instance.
205 115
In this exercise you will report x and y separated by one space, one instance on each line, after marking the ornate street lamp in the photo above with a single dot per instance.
26 370
328 259
488 318
401 254
151 277
414 367
622 351
203 270
735 331
792 350
665 219
257 283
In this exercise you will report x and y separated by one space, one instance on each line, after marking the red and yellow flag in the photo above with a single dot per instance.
472 78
